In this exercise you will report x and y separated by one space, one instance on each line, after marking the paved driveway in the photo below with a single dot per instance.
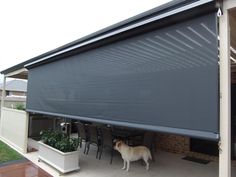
24 169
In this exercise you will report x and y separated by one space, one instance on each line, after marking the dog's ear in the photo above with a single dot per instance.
119 144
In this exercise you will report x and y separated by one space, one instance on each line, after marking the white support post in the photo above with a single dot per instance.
26 133
225 97
3 92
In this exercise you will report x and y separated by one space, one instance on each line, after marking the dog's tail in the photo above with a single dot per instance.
149 155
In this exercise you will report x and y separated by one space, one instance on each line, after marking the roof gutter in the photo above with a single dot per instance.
123 29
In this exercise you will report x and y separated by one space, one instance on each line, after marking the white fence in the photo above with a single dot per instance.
13 102
14 128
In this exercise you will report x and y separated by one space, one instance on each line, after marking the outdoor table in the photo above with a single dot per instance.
126 134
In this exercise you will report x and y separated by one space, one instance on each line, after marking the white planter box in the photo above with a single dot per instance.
63 162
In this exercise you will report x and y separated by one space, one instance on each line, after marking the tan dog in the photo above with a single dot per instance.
130 154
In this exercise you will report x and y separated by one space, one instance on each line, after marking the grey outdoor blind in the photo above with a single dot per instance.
165 80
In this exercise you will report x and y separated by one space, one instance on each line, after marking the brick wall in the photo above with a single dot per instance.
181 145
16 93
173 143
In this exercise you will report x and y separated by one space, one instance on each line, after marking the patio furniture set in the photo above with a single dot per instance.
103 136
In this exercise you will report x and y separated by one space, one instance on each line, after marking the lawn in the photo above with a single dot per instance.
7 153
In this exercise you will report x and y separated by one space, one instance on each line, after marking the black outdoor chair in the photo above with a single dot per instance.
148 139
106 141
93 138
82 135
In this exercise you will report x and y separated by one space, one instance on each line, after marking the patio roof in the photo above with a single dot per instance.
129 27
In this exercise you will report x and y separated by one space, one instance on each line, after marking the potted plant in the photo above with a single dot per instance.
59 151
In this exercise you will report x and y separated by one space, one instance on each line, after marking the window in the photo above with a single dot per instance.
7 93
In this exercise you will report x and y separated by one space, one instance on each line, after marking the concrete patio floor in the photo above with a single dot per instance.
166 165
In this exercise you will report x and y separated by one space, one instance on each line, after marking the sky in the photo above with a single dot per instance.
29 28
